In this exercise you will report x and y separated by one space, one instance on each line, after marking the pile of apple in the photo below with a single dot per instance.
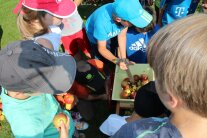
1 112
129 88
66 101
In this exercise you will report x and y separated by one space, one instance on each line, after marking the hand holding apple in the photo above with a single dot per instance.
58 118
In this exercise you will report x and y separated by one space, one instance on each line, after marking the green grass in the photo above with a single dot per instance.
8 22
5 130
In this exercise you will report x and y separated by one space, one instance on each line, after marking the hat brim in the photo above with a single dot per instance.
63 9
142 20
62 76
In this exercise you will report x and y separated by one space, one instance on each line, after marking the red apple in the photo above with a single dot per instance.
136 77
144 77
58 118
69 98
132 95
0 105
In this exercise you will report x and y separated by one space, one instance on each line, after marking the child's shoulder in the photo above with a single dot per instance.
150 127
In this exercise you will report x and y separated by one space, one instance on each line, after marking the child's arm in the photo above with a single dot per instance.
161 11
77 2
122 47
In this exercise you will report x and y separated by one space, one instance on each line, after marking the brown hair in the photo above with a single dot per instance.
178 55
30 23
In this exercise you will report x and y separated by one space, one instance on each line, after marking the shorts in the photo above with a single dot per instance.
73 43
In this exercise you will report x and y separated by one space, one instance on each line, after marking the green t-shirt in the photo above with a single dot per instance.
32 117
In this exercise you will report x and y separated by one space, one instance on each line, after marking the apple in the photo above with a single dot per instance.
1 117
145 82
124 84
0 105
132 95
124 95
58 118
136 78
68 98
128 91
144 77
126 79
133 87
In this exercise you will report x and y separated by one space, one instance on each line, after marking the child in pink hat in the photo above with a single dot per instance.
42 20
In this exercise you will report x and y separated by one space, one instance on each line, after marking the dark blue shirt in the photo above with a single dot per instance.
148 128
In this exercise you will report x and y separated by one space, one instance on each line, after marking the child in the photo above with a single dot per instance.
89 85
42 20
138 38
177 53
30 75
146 104
171 10
74 35
111 20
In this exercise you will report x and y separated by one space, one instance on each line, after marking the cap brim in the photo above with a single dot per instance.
142 20
62 77
63 9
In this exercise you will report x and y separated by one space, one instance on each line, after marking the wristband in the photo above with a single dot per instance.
116 61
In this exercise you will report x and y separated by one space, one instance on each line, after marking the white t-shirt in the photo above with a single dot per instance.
72 25
112 124
54 37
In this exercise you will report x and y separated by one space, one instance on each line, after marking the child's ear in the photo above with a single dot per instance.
173 101
117 19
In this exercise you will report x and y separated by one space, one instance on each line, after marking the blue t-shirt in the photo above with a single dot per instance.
176 9
148 128
32 117
101 26
136 45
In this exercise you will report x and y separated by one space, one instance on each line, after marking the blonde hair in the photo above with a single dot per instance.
30 23
178 56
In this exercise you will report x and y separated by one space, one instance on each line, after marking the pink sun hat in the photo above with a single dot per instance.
58 8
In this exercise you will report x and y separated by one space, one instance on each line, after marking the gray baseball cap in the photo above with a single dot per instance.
26 66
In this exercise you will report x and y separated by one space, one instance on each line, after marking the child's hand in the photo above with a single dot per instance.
123 66
63 129
150 2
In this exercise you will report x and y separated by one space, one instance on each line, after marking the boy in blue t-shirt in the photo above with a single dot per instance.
138 38
29 75
111 20
170 10
177 53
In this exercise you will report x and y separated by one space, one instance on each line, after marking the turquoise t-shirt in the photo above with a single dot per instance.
32 117
100 25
